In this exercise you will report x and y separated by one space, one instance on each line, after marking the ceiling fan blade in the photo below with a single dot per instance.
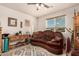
31 3
46 6
50 6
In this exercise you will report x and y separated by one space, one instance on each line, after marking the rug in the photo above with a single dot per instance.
28 50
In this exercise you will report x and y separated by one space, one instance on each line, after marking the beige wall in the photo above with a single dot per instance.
7 12
35 24
68 19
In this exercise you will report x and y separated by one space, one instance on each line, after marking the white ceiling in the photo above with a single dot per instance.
31 9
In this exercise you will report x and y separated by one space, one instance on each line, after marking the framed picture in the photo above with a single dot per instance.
27 23
12 22
21 24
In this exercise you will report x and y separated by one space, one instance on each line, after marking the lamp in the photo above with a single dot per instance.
42 5
38 6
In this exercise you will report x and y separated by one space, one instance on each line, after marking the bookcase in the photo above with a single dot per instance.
0 40
76 30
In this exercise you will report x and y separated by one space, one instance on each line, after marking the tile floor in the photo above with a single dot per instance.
30 50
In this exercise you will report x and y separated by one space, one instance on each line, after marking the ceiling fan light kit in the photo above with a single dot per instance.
39 5
42 5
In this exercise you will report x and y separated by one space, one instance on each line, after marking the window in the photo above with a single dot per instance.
60 21
50 23
57 23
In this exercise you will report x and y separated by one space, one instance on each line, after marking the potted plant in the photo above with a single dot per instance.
20 32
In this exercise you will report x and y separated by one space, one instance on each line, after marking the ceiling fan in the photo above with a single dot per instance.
39 5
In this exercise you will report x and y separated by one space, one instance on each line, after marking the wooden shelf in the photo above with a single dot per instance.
17 45
0 40
19 38
76 31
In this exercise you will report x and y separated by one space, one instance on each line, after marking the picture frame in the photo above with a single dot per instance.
21 24
27 23
12 22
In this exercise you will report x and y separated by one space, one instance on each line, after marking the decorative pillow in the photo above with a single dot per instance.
49 33
52 40
57 38
38 35
47 38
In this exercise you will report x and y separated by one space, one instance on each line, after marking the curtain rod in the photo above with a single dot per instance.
55 17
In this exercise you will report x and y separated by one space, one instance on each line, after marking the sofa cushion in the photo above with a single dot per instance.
48 39
48 35
59 34
38 35
57 38
52 39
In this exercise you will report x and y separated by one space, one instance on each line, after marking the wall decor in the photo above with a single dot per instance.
50 23
12 21
21 24
27 23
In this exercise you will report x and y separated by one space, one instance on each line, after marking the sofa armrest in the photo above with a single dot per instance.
53 43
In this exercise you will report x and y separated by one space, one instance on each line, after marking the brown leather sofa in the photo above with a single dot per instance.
75 52
52 41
